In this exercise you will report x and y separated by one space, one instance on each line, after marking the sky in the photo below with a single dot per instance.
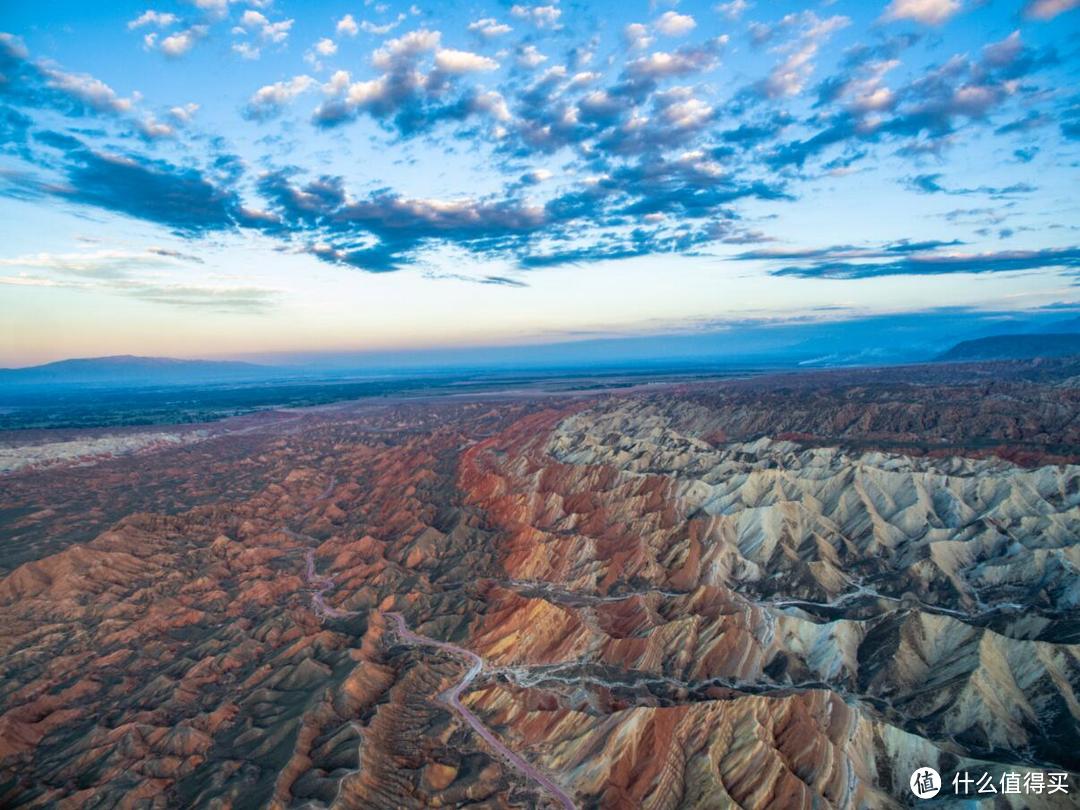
271 179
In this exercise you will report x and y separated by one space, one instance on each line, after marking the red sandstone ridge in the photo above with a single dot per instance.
675 599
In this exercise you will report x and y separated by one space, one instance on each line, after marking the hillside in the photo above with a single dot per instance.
1014 347
132 370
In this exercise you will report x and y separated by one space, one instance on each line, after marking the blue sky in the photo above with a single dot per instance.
216 178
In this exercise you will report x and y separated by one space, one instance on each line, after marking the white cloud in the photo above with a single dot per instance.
733 10
150 127
366 92
93 94
183 114
540 16
215 6
85 88
583 78
158 19
790 76
689 113
347 26
673 24
405 46
530 57
660 63
489 27
452 61
253 19
1048 9
326 47
14 46
219 8
268 101
868 94
143 274
404 80
181 42
246 50
493 104
104 263
637 36
338 83
536 176
928 12
275 32
1004 52
385 28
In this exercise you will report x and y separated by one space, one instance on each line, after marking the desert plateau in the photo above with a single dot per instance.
781 591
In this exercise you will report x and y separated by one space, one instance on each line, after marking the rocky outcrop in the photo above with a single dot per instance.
649 566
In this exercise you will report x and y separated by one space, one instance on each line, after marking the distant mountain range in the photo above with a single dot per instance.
1014 347
824 345
130 370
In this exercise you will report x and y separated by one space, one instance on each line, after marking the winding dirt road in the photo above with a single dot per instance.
320 585
452 697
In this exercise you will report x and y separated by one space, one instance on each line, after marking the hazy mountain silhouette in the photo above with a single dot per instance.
1014 347
133 370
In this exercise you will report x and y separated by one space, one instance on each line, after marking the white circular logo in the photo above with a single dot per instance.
925 783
